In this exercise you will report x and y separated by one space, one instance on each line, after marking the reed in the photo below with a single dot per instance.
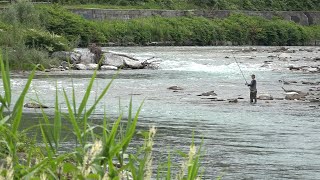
100 151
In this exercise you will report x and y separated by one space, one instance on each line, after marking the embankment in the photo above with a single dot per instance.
303 18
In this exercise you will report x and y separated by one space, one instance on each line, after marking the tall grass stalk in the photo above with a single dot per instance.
100 147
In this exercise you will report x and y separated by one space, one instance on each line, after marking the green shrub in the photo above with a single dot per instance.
45 40
59 21
22 13
25 58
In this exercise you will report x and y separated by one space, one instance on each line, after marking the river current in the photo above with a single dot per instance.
276 139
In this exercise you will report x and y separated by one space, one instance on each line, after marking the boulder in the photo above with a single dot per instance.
112 59
105 67
295 68
233 100
293 96
87 58
34 105
133 64
92 66
210 93
265 97
80 67
175 88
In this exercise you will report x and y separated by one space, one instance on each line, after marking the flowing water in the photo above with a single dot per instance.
276 139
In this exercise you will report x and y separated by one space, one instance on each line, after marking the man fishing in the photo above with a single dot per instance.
253 89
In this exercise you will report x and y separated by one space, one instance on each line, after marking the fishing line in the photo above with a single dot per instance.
239 68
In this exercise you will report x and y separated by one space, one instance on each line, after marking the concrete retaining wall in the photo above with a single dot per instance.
303 18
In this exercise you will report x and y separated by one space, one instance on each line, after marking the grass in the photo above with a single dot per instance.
99 147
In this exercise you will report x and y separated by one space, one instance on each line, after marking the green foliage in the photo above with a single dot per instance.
25 41
22 13
59 21
45 40
261 5
238 29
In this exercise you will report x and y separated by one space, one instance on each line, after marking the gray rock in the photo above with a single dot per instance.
133 64
105 67
210 93
265 97
293 96
111 59
295 68
175 88
80 67
233 100
92 66
34 105
87 58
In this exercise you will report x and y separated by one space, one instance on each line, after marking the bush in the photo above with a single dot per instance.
239 29
59 21
22 13
24 58
45 40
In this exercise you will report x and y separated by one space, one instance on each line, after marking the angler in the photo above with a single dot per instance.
253 89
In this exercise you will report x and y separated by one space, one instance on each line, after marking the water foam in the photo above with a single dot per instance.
209 68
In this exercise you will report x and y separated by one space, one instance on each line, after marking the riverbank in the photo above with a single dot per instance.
32 40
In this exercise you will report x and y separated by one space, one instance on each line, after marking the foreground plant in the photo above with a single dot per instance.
100 151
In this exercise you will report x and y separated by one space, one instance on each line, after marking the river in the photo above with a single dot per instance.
277 139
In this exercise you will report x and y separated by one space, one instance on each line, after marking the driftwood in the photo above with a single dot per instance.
124 55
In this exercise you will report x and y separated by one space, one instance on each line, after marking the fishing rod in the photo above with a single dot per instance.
239 68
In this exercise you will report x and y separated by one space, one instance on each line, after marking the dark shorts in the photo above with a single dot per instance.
253 95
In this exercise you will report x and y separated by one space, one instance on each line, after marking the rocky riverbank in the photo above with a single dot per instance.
95 58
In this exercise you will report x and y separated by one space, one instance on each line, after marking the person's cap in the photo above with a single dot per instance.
253 75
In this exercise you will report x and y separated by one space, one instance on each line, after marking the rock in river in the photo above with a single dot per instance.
210 93
175 88
265 97
34 105
293 96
